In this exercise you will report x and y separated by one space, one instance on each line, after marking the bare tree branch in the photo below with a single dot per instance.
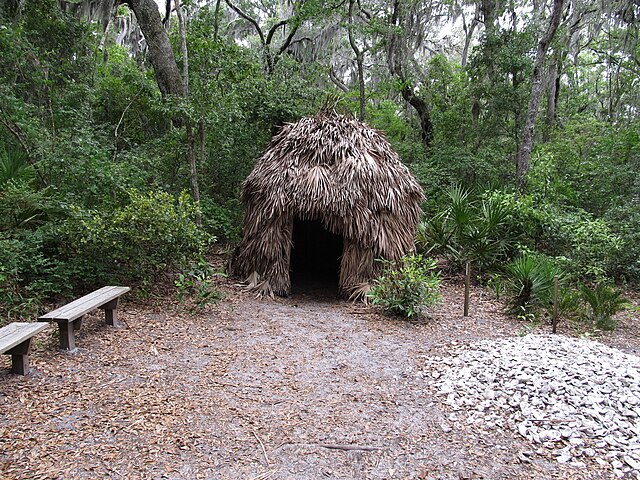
274 29
287 41
337 81
248 19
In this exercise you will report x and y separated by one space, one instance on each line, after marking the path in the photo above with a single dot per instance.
285 389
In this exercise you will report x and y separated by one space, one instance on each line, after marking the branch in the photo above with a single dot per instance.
248 19
124 112
300 40
367 15
287 41
273 30
17 133
352 42
182 29
349 447
337 81
167 12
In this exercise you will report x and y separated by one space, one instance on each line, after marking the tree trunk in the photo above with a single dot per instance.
489 15
193 168
359 62
182 28
361 95
552 99
424 114
468 35
526 144
191 138
170 81
160 51
216 20
202 141
394 60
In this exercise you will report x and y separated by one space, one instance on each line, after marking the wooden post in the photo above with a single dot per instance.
110 312
467 282
20 358
555 305
67 339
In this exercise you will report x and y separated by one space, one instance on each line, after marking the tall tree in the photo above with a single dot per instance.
359 53
191 140
161 54
526 145
396 56
170 80
272 53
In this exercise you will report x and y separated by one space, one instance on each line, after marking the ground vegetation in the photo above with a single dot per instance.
528 109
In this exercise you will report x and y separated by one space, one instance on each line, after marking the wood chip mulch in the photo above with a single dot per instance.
297 388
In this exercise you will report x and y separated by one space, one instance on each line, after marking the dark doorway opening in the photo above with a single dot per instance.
315 259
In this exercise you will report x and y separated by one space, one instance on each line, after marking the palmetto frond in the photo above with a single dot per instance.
339 171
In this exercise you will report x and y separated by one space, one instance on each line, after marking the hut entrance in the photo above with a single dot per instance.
315 258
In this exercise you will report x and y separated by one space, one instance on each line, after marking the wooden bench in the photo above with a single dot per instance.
69 317
15 340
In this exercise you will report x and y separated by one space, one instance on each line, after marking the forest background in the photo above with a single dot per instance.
125 136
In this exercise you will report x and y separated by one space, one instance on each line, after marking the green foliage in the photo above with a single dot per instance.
530 283
586 246
407 287
137 242
467 230
21 207
569 303
405 139
589 242
14 166
625 223
28 275
197 284
604 302
591 164
496 283
500 73
221 221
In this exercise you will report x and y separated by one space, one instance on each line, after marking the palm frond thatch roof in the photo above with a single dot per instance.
339 171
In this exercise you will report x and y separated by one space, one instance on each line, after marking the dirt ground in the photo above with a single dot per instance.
301 388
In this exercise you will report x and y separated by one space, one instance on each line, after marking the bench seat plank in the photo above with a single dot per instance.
15 333
84 305
15 340
69 316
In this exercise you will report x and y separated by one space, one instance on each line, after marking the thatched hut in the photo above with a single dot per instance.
328 195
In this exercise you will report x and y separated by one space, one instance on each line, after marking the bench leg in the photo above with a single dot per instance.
20 357
77 323
67 339
111 312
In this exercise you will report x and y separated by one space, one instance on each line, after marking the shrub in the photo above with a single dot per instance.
467 229
196 284
138 241
589 245
625 221
221 221
589 242
604 302
406 287
27 275
530 283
